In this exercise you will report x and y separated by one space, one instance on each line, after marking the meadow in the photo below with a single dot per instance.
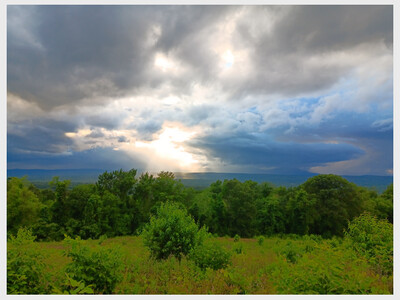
264 265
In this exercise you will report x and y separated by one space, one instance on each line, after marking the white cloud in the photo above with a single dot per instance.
213 71
383 125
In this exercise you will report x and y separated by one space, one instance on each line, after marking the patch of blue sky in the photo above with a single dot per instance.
299 107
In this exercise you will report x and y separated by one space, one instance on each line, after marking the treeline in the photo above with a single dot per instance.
120 203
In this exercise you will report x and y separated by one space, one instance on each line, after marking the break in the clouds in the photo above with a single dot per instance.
270 89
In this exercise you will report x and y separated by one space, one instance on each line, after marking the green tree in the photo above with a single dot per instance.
167 188
264 189
218 219
60 208
144 194
217 215
336 201
78 198
171 232
240 200
270 217
23 206
91 218
300 211
385 205
119 183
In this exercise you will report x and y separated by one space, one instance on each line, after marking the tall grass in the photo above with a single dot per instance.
287 265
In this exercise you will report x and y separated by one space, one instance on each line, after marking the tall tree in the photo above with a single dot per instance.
60 209
23 206
240 201
337 202
120 183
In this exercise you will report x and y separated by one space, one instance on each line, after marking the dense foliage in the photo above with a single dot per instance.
337 231
373 239
210 255
290 264
25 266
120 204
171 232
98 268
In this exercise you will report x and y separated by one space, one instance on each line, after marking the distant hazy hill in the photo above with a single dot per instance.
205 179
196 180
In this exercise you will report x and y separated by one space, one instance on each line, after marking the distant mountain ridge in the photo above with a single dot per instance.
195 180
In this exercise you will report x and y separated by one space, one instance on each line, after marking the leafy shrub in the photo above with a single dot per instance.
171 232
238 248
291 252
236 238
102 238
335 241
325 271
73 287
260 240
315 237
210 255
240 282
25 267
99 268
373 239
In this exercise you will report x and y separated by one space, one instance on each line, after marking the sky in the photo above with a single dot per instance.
247 89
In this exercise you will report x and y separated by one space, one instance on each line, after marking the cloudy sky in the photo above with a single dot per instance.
252 89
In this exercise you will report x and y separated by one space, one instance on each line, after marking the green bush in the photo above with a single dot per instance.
292 252
325 270
236 238
25 267
73 287
372 238
238 248
260 240
172 232
210 255
98 267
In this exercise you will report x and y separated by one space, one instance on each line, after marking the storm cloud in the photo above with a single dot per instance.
274 89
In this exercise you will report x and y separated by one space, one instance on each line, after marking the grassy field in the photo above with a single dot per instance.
287 265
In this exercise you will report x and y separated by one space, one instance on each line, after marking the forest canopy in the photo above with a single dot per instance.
122 203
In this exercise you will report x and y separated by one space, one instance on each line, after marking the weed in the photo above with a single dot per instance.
99 268
25 265
210 255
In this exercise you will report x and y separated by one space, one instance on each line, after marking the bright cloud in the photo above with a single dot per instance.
202 88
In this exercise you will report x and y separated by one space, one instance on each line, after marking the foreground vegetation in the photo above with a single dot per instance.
152 235
263 265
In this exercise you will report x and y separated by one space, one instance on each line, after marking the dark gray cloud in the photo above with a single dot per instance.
104 120
44 135
38 140
293 57
325 28
260 153
110 159
373 138
286 87
122 139
97 51
86 51
76 52
147 128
